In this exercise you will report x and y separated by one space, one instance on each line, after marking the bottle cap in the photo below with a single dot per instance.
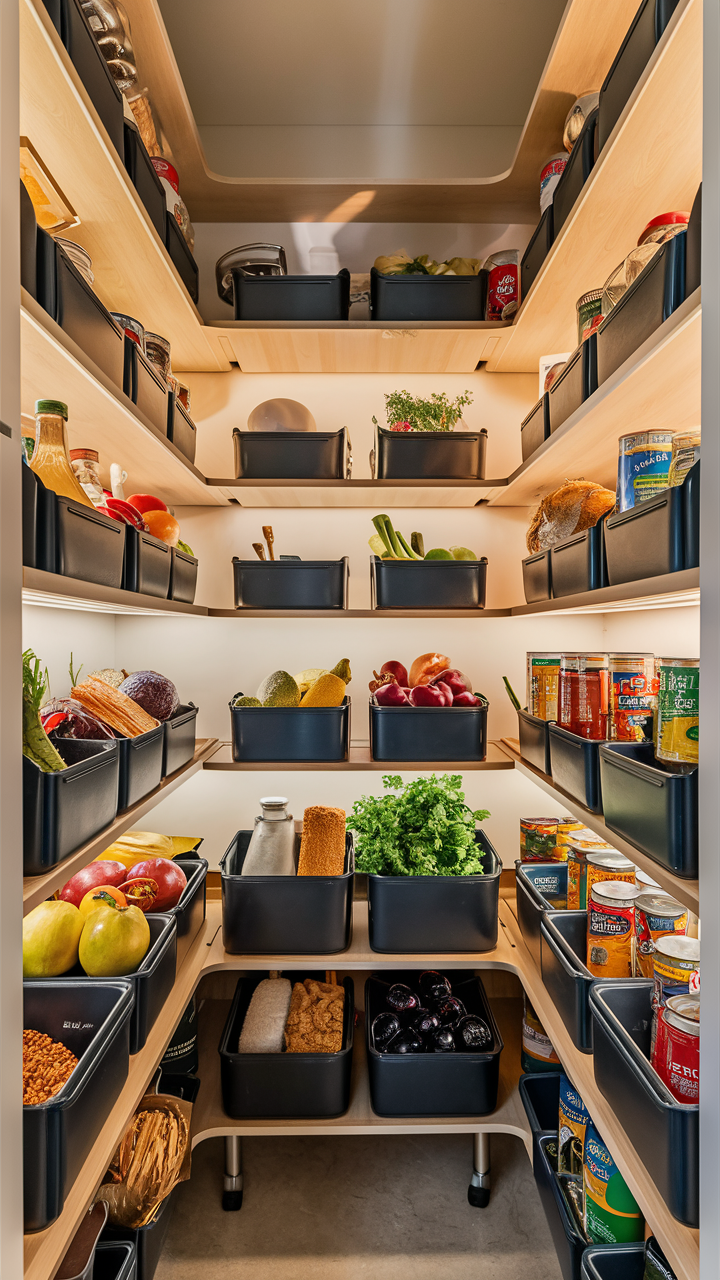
52 406
88 455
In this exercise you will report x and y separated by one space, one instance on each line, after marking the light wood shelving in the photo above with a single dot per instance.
686 891
358 493
466 614
651 163
669 591
359 762
37 888
56 591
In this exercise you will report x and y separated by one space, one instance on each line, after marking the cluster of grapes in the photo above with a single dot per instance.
434 1021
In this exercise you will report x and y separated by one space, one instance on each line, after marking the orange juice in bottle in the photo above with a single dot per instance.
50 460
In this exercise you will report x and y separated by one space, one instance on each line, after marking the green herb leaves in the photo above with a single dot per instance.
425 830
436 414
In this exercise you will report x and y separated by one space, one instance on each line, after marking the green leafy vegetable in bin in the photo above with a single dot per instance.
389 544
36 744
413 413
426 829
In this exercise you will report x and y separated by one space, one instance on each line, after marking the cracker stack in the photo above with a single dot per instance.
322 849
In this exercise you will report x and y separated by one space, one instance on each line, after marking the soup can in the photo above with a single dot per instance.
581 844
657 915
676 968
611 929
676 1050
608 864
643 466
546 839
678 710
632 696
612 1215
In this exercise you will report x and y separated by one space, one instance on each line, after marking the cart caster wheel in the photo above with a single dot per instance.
478 1197
232 1201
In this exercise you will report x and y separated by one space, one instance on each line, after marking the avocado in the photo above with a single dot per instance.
279 690
242 700
462 553
438 553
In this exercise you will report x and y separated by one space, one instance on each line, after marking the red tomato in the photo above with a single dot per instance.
94 874
170 879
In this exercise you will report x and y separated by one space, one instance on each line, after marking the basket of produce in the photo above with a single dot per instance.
288 582
433 879
404 288
420 441
433 1045
301 717
75 1063
287 894
282 442
286 1048
429 714
405 576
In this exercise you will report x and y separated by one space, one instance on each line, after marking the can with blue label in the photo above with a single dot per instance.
643 466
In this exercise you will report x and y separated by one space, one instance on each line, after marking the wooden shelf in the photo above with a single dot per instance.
55 591
37 888
358 762
133 272
475 614
686 891
101 416
358 493
657 388
651 163
669 591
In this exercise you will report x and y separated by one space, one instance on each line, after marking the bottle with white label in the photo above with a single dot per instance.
271 851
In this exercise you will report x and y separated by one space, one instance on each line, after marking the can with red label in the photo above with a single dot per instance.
676 1051
657 915
503 270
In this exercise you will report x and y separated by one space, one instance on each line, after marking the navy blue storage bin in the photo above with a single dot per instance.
38 522
648 539
664 1133
649 301
28 243
181 257
179 746
72 26
630 61
538 886
535 428
575 766
145 386
575 174
183 576
147 564
534 736
540 1096
428 584
88 545
563 949
537 251
578 563
693 246
63 810
79 312
141 171
140 766
691 485
291 584
115 1261
190 911
278 734
651 806
292 455
181 428
537 579
613 1262
316 297
569 1243
429 455
419 297
426 734
574 384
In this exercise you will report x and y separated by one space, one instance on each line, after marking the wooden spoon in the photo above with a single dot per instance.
259 550
269 537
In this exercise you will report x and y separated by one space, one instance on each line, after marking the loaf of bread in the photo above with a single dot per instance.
264 1025
576 505
315 1021
322 848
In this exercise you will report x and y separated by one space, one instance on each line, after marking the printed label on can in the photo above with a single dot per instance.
596 873
648 928
678 714
612 1215
632 704
673 977
572 1122
502 289
643 467
609 940
536 1043
676 1058
538 839
577 882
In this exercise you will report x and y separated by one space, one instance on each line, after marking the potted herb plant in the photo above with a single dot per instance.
420 441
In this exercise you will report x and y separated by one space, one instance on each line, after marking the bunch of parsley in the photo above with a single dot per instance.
436 414
425 830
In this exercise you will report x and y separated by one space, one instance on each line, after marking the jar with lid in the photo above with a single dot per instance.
271 851
685 453
157 350
589 313
168 175
131 327
583 694
503 291
678 710
543 670
86 468
50 459
632 696
656 233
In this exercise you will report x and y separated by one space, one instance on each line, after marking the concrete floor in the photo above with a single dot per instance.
360 1208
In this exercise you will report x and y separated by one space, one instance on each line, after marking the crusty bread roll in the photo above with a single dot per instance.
322 848
576 505
264 1023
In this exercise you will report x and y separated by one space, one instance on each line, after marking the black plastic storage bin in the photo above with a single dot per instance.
538 887
141 171
91 1017
68 298
665 1134
575 766
285 915
76 34
147 564
140 766
145 386
569 1243
578 563
412 915
181 257
278 734
433 1084
537 251
574 384
179 745
291 455
291 297
691 485
537 582
418 297
28 242
429 455
115 1260
38 522
575 174
275 1085
428 584
535 428
613 1262
291 584
534 736
88 545
563 951
651 806
190 911
183 576
648 539
693 246
61 811
646 304
630 61
146 1242
540 1096
426 734
181 428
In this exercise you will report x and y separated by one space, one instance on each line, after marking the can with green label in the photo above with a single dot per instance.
612 1214
678 711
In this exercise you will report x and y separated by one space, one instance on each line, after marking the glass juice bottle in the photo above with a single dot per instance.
632 696
50 460
583 694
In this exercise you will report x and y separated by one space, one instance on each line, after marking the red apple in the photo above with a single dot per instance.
444 689
390 695
146 502
455 680
426 695
466 699
397 670
94 874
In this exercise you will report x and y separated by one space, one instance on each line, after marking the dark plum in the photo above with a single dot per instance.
451 1011
473 1033
384 1027
442 1040
424 1022
433 986
407 1041
401 999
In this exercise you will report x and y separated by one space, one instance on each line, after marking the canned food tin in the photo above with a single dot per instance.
676 1051
608 864
573 1120
656 916
543 670
676 968
643 466
537 1054
612 1215
583 842
157 350
131 327
678 710
588 307
611 929
551 174
632 696
503 270
546 839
